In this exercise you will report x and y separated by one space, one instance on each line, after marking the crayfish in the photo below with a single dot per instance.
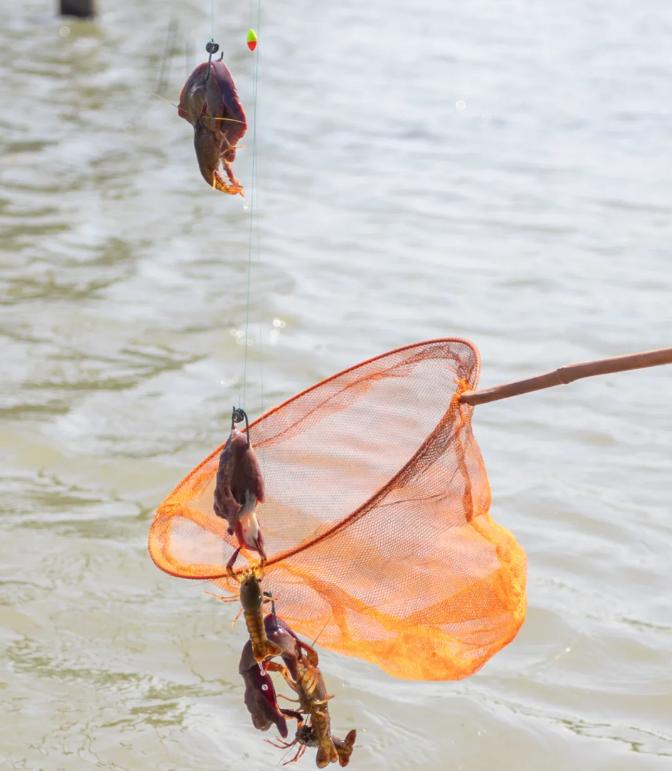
260 697
271 637
209 101
313 697
239 488
252 601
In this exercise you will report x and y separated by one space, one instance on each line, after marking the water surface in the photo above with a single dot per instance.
498 171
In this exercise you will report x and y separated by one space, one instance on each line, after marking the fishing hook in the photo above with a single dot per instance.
211 47
238 415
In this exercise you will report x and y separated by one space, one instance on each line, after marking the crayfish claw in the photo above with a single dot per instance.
209 101
218 183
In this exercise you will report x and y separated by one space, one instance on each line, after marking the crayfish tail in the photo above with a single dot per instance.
326 753
345 746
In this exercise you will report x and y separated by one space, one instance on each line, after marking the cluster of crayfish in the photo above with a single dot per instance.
239 488
271 638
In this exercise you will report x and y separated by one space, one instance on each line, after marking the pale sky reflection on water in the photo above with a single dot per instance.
499 171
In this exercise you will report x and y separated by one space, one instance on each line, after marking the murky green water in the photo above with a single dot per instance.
499 171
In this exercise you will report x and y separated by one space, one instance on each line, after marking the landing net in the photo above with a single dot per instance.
376 520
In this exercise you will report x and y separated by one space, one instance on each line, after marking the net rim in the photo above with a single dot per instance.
284 555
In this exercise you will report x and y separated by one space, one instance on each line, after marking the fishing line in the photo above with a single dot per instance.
253 187
212 48
262 400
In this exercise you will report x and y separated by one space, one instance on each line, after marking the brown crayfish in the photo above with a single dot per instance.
209 101
239 488
301 672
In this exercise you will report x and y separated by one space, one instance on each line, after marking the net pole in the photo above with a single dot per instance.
568 374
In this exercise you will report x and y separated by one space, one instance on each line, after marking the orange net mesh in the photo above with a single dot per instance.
376 518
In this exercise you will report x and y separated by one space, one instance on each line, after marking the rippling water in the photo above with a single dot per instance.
494 170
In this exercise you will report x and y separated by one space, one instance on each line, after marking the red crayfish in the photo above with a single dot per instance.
209 101
239 488
301 672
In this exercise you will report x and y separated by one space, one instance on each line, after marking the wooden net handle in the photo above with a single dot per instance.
568 374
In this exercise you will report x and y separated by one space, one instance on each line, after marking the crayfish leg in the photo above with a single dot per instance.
231 563
297 757
221 597
281 745
273 666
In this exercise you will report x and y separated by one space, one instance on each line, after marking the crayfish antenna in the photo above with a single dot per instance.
236 617
297 757
221 597
280 745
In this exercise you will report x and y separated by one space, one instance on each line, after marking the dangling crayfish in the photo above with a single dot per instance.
272 637
239 488
209 101
304 677
252 600
260 697
313 697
